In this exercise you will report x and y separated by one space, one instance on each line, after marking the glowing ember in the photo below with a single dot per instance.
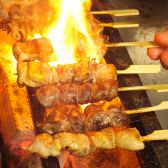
72 33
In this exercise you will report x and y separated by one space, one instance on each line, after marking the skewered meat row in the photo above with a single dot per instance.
35 74
38 49
70 118
84 144
75 93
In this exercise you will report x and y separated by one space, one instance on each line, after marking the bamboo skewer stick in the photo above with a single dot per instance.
162 106
136 69
140 69
148 44
158 88
124 12
156 136
119 24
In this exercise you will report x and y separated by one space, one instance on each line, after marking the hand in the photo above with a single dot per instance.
161 38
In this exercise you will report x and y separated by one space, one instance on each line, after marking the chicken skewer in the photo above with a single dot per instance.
84 144
36 74
76 93
70 118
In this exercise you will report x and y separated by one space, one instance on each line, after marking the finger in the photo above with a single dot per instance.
164 59
161 38
166 29
154 53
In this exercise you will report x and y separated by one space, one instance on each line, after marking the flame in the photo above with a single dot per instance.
70 34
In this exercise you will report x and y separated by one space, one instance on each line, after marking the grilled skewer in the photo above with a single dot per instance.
35 74
84 144
70 118
75 93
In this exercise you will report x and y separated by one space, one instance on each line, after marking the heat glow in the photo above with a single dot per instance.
71 34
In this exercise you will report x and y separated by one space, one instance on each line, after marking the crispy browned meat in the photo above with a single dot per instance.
84 144
80 72
64 118
38 49
98 118
75 93
70 118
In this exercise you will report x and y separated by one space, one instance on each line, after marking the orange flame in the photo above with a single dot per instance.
72 34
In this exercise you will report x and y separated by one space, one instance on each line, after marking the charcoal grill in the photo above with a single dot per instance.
155 154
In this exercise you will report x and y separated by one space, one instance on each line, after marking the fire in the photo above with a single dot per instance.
70 34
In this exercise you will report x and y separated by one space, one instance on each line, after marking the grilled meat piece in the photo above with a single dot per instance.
70 118
98 118
80 72
64 118
75 93
84 144
38 49
22 78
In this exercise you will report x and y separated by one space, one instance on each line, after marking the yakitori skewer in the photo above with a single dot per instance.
84 144
140 69
158 88
148 44
120 24
162 106
124 12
